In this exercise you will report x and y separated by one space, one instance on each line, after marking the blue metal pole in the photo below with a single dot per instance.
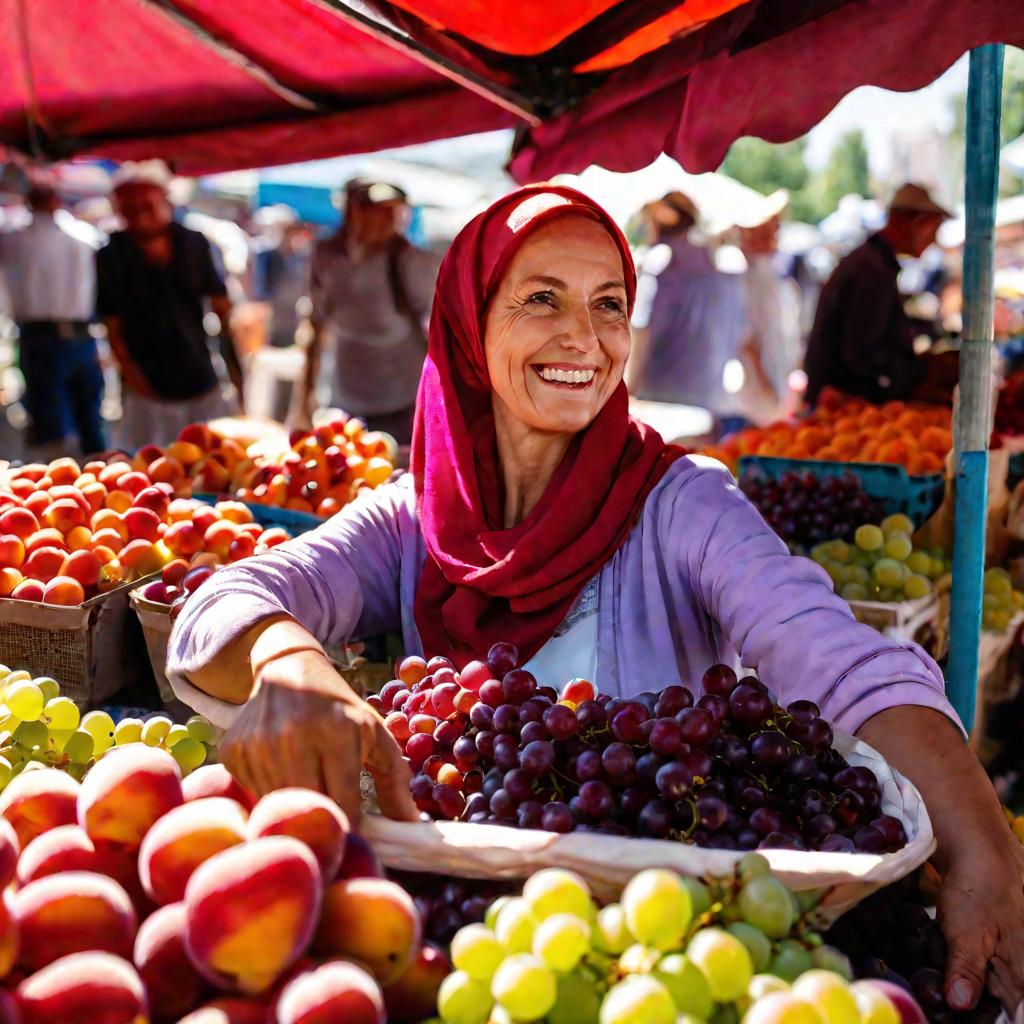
984 95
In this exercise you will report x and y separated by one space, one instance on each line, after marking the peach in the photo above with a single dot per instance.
183 839
252 910
213 476
204 517
125 793
174 572
118 500
83 566
65 848
142 523
10 850
63 590
145 455
140 557
19 521
9 580
184 452
87 988
243 546
337 991
413 997
198 434
78 538
180 510
234 511
172 983
12 550
108 519
107 555
65 493
154 499
166 470
371 920
377 471
47 537
108 476
72 912
218 537
184 538
95 495
28 590
38 502
44 563
107 538
360 861
36 801
133 482
228 1011
64 514
64 471
10 937
215 780
308 816
274 536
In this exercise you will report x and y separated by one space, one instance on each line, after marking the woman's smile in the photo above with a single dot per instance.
566 376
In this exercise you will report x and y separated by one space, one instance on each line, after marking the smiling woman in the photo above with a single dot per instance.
539 513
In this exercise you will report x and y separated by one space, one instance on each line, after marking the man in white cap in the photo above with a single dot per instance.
51 282
154 280
862 342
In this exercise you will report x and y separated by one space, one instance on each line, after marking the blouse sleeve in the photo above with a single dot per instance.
339 581
782 615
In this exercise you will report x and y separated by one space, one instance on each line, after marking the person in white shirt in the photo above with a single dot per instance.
50 279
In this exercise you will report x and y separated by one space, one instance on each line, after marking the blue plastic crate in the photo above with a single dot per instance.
269 515
895 490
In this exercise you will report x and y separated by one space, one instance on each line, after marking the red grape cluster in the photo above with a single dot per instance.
805 510
892 936
730 769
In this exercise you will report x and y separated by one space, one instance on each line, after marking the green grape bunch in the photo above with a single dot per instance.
673 950
39 726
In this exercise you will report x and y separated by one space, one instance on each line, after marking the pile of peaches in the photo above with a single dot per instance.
68 532
848 429
320 473
135 896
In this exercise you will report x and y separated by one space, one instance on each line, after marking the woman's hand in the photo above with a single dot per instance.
981 907
304 726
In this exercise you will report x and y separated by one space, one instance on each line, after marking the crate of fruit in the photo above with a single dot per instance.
90 647
156 622
891 486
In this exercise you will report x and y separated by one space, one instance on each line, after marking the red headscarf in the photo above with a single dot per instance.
482 583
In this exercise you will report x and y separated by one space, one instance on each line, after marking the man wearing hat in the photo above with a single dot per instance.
862 341
154 280
371 291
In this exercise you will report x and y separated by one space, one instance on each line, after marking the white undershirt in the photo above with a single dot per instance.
572 650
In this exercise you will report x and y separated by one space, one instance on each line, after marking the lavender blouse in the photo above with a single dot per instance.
700 578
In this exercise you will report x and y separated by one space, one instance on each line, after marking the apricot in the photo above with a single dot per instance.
118 500
47 537
251 911
936 440
83 566
183 452
140 557
337 991
211 780
183 839
378 470
413 997
12 551
228 1011
72 912
64 514
79 538
166 470
86 988
65 848
18 521
38 502
184 538
308 816
107 538
36 801
64 471
108 519
10 849
172 983
198 434
219 536
142 524
213 476
243 546
274 536
95 495
233 511
126 792
107 555
63 590
27 590
372 920
154 499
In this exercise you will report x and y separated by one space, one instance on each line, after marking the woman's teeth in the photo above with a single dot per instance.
568 376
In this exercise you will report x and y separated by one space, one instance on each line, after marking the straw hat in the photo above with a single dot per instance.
913 198
142 172
670 210
755 209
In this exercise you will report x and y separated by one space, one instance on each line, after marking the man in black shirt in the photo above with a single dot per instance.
153 279
862 341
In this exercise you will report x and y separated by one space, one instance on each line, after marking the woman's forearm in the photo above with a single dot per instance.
229 675
928 749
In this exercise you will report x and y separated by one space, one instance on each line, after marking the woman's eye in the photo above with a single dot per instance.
542 298
612 305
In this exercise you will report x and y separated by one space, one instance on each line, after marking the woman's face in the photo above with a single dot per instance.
557 329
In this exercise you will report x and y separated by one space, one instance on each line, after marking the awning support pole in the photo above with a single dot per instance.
984 95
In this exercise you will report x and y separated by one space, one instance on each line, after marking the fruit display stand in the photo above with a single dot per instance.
155 619
996 682
924 621
88 646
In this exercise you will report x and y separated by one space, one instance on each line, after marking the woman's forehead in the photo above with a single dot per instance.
564 244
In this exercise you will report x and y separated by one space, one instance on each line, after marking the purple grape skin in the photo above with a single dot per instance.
802 767
820 826
633 799
837 843
818 735
697 726
476 804
618 760
502 805
666 737
595 799
561 722
711 812
813 804
530 814
531 710
533 731
481 716
506 755
655 820
557 818
765 821
588 766
717 707
698 762
537 758
749 704
518 784
502 658
752 797
464 748
506 718
518 685
674 780
591 715
777 841
869 840
891 830
719 680
625 724
672 700
734 754
647 766
485 744
769 749
804 711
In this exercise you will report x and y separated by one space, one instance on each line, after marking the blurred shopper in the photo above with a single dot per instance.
50 280
371 291
862 341
689 317
772 349
281 261
154 279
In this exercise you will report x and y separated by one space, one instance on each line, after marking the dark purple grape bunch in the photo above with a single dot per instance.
805 510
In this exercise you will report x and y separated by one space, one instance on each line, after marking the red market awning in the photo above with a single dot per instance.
211 86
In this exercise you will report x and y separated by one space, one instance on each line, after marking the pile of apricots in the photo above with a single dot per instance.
69 532
848 429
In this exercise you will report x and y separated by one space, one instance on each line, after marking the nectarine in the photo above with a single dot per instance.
87 988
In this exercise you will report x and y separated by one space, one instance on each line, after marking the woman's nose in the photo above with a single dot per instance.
581 334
